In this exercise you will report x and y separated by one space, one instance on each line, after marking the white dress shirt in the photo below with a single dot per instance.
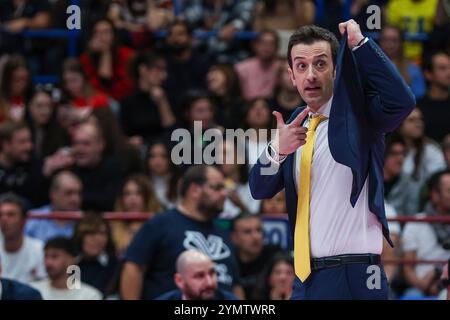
335 226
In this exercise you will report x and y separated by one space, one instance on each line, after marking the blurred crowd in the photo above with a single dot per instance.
98 139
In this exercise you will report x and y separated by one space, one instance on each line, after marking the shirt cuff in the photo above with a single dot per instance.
276 158
365 40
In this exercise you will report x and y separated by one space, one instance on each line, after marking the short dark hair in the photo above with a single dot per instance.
180 22
194 174
147 59
434 182
392 139
13 198
242 216
310 34
61 243
7 130
271 32
429 58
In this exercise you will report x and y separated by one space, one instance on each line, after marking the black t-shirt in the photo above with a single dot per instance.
101 184
436 115
250 272
183 76
99 272
140 116
162 239
26 180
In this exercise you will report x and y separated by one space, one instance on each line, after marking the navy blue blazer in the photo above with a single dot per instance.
370 98
14 290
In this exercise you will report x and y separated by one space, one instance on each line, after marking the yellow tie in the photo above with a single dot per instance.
301 233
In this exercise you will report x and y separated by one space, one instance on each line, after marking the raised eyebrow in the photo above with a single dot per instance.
323 55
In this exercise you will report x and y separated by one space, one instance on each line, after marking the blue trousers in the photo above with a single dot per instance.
345 282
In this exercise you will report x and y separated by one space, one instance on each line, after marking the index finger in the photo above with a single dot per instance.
300 117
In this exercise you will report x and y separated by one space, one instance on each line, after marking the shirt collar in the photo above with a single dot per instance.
323 110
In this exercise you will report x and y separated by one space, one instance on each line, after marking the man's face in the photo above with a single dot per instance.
212 194
67 196
440 75
394 159
441 198
179 38
390 42
11 221
19 148
56 262
199 282
313 72
248 235
87 146
266 47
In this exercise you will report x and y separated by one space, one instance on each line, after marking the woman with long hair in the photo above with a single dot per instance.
47 134
137 196
15 87
225 91
162 173
96 251
277 278
77 88
424 156
105 61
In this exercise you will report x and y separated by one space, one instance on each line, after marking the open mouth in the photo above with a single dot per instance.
312 89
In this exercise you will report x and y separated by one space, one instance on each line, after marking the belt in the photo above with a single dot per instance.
336 261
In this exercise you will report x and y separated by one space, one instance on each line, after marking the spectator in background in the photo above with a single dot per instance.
105 61
163 173
413 17
234 168
65 196
391 41
284 16
251 252
277 278
15 87
116 143
390 255
257 116
15 290
19 171
137 196
150 259
286 97
20 15
21 256
196 279
426 241
100 174
96 252
258 75
435 105
47 134
198 106
137 16
60 256
400 191
77 88
225 91
446 149
186 66
225 17
275 205
424 156
147 113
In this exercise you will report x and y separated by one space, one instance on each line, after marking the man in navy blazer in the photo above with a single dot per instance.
361 96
